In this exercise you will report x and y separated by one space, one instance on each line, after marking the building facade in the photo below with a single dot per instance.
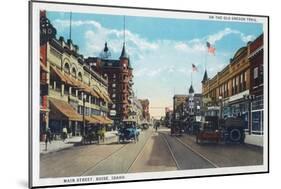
257 85
119 73
145 110
72 94
227 93
179 105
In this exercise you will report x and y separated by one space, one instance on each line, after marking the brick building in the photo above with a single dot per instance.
69 89
257 84
145 109
227 93
120 81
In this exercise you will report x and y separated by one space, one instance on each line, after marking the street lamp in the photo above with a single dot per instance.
84 124
249 98
220 99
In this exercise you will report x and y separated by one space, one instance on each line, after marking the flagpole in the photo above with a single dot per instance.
191 77
70 19
206 59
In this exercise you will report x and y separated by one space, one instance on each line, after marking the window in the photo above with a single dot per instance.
66 89
73 72
66 68
236 84
113 95
241 87
256 70
233 86
113 85
80 76
114 76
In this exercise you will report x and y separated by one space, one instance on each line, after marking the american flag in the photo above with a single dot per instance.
211 49
194 68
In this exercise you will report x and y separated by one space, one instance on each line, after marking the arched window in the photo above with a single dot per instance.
73 72
66 68
79 76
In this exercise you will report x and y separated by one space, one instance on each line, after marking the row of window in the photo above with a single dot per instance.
73 72
233 86
88 111
258 75
93 100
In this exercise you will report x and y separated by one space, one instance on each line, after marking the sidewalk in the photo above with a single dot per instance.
57 145
256 140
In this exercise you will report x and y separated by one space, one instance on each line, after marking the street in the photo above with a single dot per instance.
155 151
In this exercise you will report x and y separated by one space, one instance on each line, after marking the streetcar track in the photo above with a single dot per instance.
112 154
187 147
199 154
172 154
141 152
102 160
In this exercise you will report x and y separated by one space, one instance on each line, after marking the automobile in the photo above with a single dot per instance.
233 129
207 132
129 132
229 130
144 126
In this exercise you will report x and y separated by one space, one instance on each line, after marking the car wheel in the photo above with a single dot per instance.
235 135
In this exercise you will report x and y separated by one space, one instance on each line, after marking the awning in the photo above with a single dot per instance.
58 73
102 94
91 120
62 110
109 121
64 77
102 119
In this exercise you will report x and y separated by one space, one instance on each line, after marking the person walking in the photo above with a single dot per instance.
48 138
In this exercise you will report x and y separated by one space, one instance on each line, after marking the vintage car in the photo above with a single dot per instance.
233 129
229 130
128 132
207 132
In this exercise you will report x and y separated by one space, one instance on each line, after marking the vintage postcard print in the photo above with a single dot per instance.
122 94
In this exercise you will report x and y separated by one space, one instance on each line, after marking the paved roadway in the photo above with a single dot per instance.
155 151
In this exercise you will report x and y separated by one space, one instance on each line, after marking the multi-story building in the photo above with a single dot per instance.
227 93
69 89
168 117
193 105
120 81
44 81
145 109
136 112
256 84
74 89
179 105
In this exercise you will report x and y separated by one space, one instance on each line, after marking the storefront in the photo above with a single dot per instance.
257 115
62 115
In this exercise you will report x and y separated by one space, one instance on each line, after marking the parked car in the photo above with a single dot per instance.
227 130
207 132
128 132
233 129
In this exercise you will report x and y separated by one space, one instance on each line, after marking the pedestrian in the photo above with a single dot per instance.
64 134
48 138
156 126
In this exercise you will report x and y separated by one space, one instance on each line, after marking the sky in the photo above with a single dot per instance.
161 50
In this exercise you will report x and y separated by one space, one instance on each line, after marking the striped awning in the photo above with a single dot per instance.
102 119
91 120
62 110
